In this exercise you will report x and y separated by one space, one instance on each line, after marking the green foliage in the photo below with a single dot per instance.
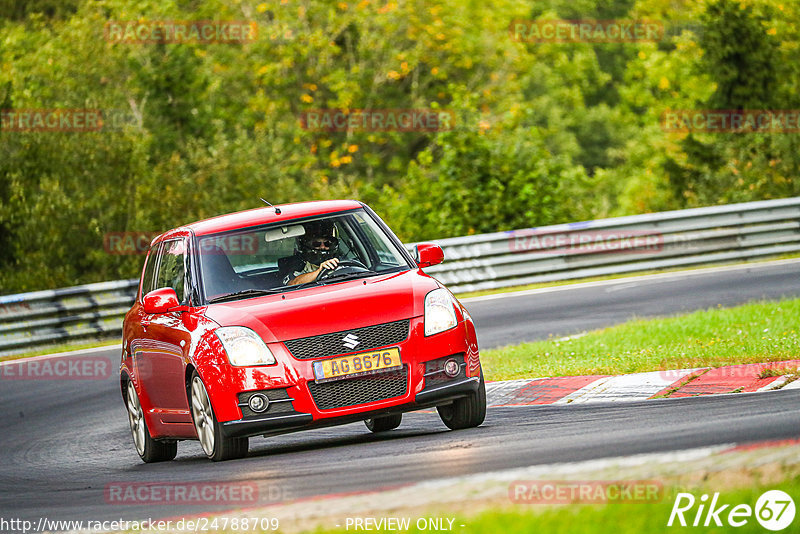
544 132
20 9
486 178
723 55
752 333
740 55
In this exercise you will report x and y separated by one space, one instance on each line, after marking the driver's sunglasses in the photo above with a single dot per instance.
317 243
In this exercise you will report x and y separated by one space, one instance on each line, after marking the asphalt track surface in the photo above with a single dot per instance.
529 316
63 442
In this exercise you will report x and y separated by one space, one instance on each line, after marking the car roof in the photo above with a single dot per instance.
265 215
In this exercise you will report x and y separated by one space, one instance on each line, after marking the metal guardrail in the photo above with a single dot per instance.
29 320
717 234
671 239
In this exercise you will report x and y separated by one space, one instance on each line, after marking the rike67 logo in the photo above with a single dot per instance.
774 510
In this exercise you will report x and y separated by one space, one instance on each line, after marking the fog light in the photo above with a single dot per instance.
451 368
258 403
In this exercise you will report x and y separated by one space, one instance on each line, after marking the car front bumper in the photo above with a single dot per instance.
283 423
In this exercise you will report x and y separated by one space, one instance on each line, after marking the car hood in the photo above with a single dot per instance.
328 308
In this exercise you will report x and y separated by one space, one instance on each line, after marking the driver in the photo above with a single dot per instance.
313 252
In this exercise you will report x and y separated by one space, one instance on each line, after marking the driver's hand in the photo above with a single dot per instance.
330 264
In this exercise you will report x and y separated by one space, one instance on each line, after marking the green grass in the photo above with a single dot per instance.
619 518
782 371
753 333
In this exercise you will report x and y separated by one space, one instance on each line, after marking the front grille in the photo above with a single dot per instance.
361 390
274 407
368 337
440 378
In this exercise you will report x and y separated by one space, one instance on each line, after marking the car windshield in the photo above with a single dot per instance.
266 259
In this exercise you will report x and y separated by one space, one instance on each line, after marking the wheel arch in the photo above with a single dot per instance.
124 379
187 382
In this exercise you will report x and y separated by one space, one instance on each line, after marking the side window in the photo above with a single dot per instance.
378 241
149 270
172 268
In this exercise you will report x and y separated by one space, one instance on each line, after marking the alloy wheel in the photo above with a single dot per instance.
136 419
203 415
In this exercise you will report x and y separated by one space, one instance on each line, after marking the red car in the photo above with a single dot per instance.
286 318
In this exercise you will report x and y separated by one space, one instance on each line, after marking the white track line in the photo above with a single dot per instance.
792 385
631 387
778 382
504 391
113 348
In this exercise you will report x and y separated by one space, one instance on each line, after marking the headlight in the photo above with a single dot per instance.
244 347
440 315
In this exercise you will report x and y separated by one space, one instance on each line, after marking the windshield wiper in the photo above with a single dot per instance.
349 276
243 293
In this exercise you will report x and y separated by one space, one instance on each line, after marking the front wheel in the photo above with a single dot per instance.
149 449
209 432
382 424
466 412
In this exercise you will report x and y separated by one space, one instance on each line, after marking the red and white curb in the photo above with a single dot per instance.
640 386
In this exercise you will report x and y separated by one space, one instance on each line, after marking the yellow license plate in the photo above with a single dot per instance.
365 363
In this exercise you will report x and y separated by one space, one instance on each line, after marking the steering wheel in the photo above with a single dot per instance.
343 264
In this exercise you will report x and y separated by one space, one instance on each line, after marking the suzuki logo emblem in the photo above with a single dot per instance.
350 341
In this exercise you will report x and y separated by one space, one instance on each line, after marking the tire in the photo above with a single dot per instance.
217 447
382 424
149 449
467 412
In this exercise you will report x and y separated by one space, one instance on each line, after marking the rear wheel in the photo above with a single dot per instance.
215 445
149 450
466 412
384 423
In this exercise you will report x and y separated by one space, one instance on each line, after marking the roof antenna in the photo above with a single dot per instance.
277 210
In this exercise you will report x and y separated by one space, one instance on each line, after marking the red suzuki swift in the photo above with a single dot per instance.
291 317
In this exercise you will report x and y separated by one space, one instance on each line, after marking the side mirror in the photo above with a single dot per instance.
160 300
429 254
